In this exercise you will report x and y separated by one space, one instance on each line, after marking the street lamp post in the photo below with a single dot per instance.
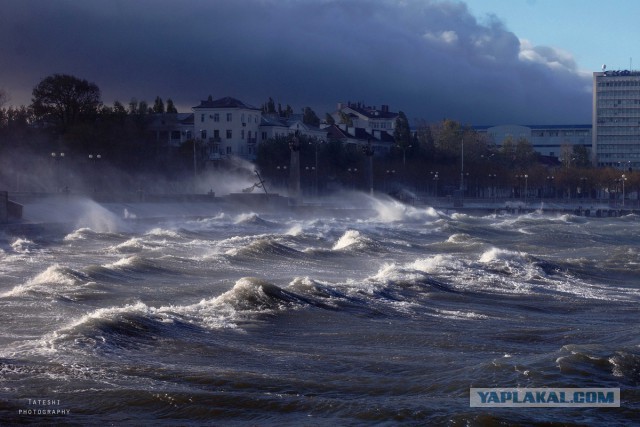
57 157
315 143
404 153
623 178
435 180
492 180
283 176
368 151
195 164
311 169
388 173
462 165
550 183
352 172
94 159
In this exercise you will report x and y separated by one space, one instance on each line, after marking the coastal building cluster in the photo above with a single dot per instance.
230 127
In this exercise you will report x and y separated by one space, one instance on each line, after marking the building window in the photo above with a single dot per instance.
201 118
228 150
229 117
216 133
216 117
229 134
203 134
242 134
264 136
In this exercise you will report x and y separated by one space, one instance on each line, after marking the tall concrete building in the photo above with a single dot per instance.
616 119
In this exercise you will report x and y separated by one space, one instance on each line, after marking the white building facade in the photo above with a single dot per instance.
616 119
228 127
366 117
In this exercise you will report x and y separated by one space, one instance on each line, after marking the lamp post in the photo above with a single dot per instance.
623 178
315 143
388 174
283 176
435 180
195 164
492 180
526 187
311 169
404 153
368 151
94 159
550 183
462 165
519 185
57 157
352 172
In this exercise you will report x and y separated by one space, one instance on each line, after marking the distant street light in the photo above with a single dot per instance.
388 173
312 169
352 173
57 157
283 169
404 153
623 179
550 180
435 178
368 151
315 143
492 179
94 159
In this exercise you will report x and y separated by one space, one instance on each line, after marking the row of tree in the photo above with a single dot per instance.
67 115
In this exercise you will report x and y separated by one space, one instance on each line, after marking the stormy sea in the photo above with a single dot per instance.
382 315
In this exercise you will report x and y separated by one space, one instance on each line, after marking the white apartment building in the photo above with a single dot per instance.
228 127
616 119
273 126
365 117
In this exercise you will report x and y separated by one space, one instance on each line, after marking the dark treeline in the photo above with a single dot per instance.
67 131
431 159
67 116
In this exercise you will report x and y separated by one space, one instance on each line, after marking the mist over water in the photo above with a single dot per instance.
364 312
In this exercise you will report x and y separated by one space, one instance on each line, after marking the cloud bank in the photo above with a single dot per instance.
430 59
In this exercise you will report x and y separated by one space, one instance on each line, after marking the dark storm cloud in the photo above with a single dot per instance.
430 59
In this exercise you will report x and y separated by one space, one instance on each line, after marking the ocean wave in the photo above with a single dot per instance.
137 264
265 248
58 282
599 362
137 244
253 219
80 234
161 232
390 210
23 246
353 240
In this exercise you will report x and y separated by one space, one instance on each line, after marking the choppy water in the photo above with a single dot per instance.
243 317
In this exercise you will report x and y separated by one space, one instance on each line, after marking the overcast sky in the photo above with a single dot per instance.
430 59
